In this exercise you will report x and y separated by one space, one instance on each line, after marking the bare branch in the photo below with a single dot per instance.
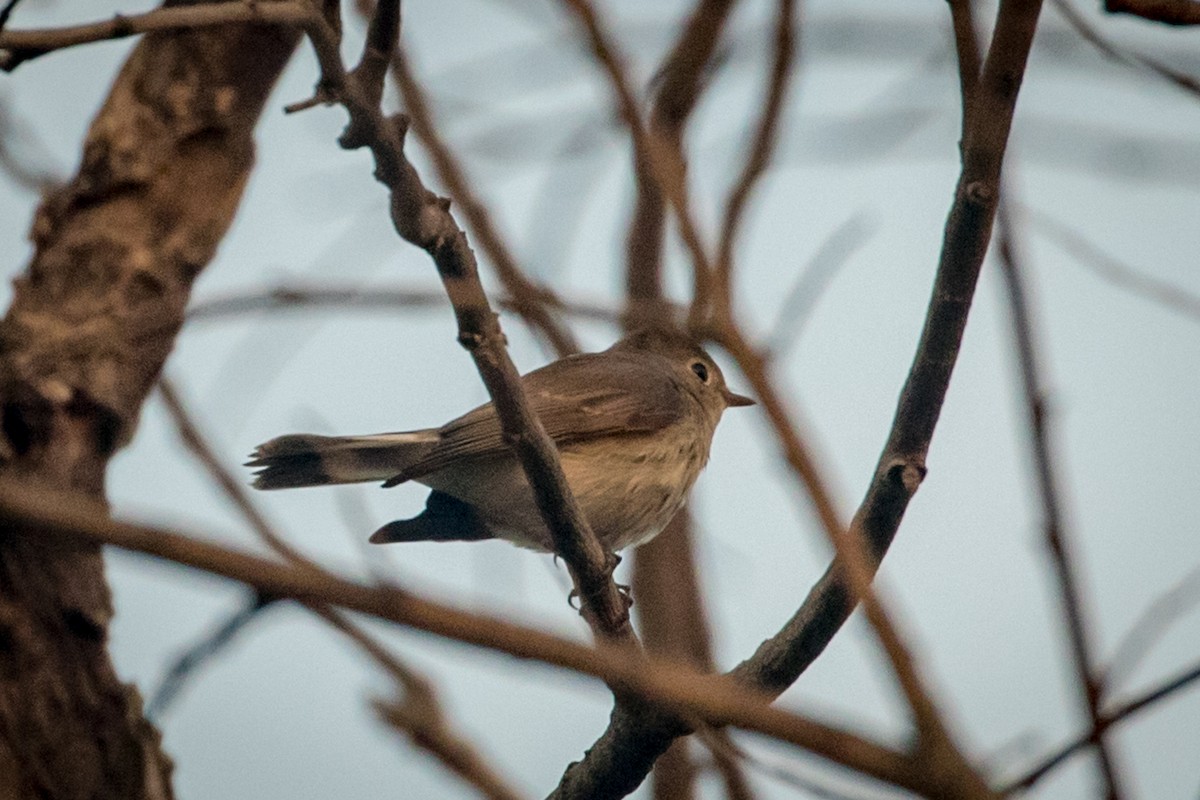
760 151
681 79
17 47
716 699
1124 56
366 298
661 156
1162 691
1168 295
1058 541
1168 12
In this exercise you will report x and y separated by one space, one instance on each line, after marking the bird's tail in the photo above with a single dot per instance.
308 460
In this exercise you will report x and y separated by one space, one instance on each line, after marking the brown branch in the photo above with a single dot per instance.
681 79
424 219
1167 688
623 755
765 137
70 516
1168 12
663 160
366 298
1058 540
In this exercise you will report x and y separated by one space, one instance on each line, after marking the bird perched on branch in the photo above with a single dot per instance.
633 426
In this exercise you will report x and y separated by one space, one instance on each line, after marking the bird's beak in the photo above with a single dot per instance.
735 399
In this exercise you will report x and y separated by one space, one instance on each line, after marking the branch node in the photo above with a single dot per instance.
979 193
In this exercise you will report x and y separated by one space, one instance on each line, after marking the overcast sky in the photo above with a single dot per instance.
869 148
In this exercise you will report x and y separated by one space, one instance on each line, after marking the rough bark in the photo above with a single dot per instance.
92 320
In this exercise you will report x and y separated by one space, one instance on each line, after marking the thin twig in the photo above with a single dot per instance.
801 300
1058 540
17 47
1129 58
1161 691
208 647
661 156
1149 627
765 137
1168 295
680 81
365 298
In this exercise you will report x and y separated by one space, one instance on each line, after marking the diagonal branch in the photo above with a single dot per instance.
626 751
424 219
763 145
1162 691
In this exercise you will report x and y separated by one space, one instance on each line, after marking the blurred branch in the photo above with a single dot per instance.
661 156
715 699
1058 541
1149 628
801 300
1162 691
680 81
1169 295
353 298
1168 12
193 658
1123 55
765 137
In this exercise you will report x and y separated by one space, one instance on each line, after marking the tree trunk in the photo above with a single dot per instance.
92 321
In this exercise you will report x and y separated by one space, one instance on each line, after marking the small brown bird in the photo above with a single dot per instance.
633 426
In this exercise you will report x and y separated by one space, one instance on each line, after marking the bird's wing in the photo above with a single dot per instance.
577 398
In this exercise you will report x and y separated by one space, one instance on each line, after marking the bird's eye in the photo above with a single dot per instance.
700 370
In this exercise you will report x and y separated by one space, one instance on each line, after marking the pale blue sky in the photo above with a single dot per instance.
872 131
